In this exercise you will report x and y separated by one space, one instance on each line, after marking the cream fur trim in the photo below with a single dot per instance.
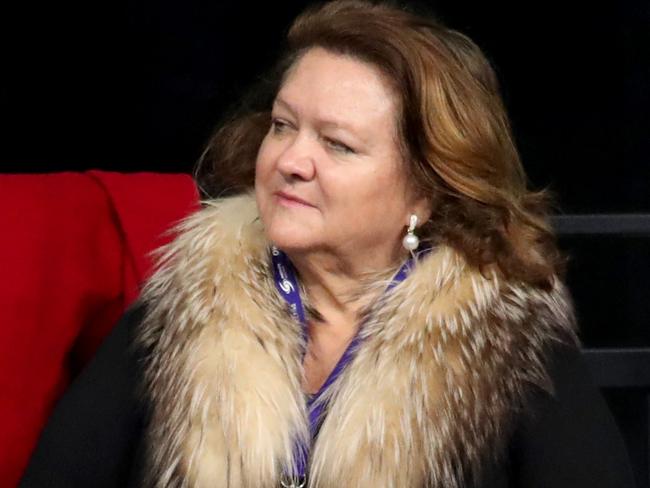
445 363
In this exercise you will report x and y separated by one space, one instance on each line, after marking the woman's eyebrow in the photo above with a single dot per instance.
285 104
325 123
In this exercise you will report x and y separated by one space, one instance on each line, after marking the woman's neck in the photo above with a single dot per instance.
333 284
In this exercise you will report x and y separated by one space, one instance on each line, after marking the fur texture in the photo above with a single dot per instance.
445 363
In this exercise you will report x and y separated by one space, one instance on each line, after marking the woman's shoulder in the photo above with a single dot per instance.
96 429
566 435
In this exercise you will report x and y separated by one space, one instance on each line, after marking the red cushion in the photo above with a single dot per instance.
74 249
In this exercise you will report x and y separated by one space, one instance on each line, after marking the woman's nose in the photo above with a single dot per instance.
297 160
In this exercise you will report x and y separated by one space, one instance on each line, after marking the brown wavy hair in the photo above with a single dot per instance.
453 130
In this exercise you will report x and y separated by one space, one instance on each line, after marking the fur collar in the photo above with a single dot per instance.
444 365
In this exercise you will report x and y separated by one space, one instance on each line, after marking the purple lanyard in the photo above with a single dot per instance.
287 284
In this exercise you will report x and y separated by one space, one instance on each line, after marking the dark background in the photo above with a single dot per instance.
139 84
135 85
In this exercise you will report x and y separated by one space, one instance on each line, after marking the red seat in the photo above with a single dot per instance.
74 249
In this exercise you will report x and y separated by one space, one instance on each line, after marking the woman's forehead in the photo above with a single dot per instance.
339 89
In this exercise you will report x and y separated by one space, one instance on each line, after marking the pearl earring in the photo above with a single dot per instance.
411 241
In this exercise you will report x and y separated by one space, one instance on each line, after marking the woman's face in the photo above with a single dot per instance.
329 175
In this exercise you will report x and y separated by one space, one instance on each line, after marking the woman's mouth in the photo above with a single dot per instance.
289 200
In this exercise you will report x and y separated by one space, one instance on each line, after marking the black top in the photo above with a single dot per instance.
95 436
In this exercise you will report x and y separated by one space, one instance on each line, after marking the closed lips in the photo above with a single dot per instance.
287 196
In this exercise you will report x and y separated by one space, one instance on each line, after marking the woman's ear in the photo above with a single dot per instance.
422 208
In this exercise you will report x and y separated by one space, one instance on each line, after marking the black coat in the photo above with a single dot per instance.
95 435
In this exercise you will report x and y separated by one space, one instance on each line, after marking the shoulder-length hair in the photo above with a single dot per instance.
453 130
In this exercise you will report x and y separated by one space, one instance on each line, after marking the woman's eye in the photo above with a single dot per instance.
339 146
278 126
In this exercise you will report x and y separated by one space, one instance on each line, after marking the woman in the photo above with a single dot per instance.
380 304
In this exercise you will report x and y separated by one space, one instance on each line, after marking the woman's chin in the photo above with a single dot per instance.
294 246
292 240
